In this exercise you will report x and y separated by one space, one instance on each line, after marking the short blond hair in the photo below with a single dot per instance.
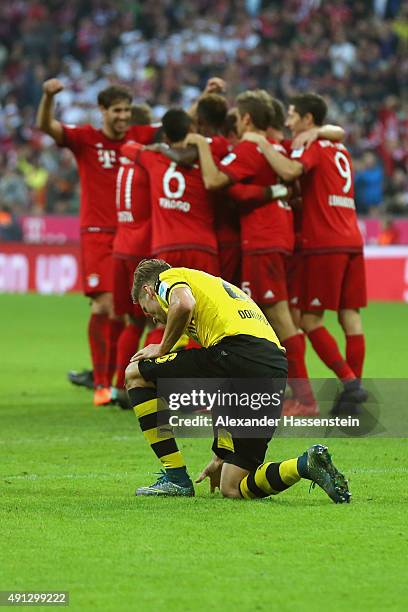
147 273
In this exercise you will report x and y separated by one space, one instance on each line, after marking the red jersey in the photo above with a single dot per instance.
98 162
226 214
329 220
296 200
133 210
269 227
182 208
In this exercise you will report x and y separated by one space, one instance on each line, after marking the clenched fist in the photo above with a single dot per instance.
52 87
215 85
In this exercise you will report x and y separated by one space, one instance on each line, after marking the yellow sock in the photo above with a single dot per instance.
153 417
269 479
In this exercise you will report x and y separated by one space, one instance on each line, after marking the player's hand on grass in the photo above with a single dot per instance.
215 85
52 87
213 472
258 139
305 139
151 351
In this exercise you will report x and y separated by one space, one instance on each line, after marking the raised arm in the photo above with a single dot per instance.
185 156
286 168
213 177
45 114
214 85
335 133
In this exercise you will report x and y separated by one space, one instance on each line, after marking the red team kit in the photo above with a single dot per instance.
165 211
137 203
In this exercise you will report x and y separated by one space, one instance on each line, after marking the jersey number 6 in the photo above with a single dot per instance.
175 176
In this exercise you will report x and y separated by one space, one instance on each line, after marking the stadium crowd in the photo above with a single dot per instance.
353 53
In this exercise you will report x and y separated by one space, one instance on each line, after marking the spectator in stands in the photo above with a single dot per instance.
342 54
353 53
14 191
36 178
369 184
10 230
389 234
396 193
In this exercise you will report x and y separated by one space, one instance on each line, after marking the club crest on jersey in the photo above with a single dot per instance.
93 280
106 157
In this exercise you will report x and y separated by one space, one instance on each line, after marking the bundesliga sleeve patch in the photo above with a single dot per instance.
228 159
162 289
296 153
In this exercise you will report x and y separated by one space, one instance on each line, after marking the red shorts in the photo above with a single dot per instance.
264 277
123 271
333 281
97 262
192 258
294 273
230 263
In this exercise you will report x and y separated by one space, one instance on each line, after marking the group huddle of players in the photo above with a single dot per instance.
221 190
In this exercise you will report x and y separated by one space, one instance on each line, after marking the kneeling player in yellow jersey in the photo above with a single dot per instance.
238 342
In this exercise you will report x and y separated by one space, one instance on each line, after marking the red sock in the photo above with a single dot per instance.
297 371
127 346
98 329
355 353
326 347
155 336
116 327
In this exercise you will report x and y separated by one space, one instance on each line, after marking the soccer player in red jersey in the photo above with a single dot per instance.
182 210
266 232
183 230
211 113
331 243
130 246
97 153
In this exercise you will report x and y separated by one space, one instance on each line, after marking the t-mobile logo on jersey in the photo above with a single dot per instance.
106 157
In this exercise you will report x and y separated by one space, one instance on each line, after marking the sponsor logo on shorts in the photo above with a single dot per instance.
315 302
269 294
93 280
294 300
165 358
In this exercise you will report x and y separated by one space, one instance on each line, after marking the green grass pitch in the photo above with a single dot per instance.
69 520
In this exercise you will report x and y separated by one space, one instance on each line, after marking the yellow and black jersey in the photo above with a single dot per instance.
221 309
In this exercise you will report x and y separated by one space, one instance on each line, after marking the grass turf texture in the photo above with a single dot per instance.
69 521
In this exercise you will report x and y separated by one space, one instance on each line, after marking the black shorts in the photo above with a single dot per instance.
234 357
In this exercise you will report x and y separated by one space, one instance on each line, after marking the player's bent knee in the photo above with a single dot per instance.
133 378
229 491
